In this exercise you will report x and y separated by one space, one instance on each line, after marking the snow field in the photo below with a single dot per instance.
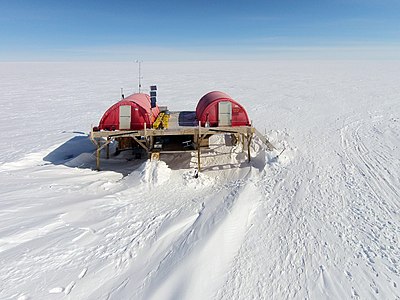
319 221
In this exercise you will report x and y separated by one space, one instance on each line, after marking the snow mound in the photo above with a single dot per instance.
28 161
285 151
84 159
153 173
202 180
156 172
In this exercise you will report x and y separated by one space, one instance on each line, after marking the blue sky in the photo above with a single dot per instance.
186 30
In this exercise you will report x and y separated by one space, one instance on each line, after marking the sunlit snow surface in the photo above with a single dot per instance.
321 221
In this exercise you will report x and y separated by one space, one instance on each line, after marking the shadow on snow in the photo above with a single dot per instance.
80 152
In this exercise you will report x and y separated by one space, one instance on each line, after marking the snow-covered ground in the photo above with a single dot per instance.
321 221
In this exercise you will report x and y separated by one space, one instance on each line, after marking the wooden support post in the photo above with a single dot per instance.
108 148
98 157
140 143
155 156
199 149
198 157
249 137
199 127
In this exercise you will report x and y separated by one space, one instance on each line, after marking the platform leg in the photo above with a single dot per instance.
198 154
198 159
108 148
155 156
249 137
98 158
199 148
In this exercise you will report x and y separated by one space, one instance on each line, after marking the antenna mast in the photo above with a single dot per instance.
140 73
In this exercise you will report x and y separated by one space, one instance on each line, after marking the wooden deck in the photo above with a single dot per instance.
177 131
182 123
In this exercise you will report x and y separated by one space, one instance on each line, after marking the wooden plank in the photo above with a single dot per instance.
140 143
199 139
198 157
113 134
108 150
180 131
249 137
98 158
265 140
155 156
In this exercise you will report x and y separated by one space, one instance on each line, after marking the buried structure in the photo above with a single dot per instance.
137 123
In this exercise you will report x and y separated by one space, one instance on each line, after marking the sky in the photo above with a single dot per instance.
45 30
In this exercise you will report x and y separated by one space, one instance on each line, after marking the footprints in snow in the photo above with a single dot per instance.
69 287
83 273
56 290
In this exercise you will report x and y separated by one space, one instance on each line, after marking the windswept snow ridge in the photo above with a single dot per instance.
319 220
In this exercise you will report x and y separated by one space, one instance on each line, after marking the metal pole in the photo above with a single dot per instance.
140 74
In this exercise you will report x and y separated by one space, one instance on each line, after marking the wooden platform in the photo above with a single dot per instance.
180 124
163 132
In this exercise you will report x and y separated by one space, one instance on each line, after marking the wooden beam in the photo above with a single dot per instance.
99 147
108 148
98 157
180 131
199 138
151 142
141 144
155 156
198 157
249 138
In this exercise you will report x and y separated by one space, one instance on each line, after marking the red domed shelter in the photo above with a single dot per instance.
219 109
130 113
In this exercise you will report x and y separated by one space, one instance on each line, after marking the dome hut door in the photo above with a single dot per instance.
224 113
124 117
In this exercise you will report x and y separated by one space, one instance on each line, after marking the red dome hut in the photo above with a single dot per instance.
219 109
130 113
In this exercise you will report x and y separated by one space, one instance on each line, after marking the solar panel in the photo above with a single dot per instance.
153 102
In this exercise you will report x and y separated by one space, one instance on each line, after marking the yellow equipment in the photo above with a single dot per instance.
162 121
